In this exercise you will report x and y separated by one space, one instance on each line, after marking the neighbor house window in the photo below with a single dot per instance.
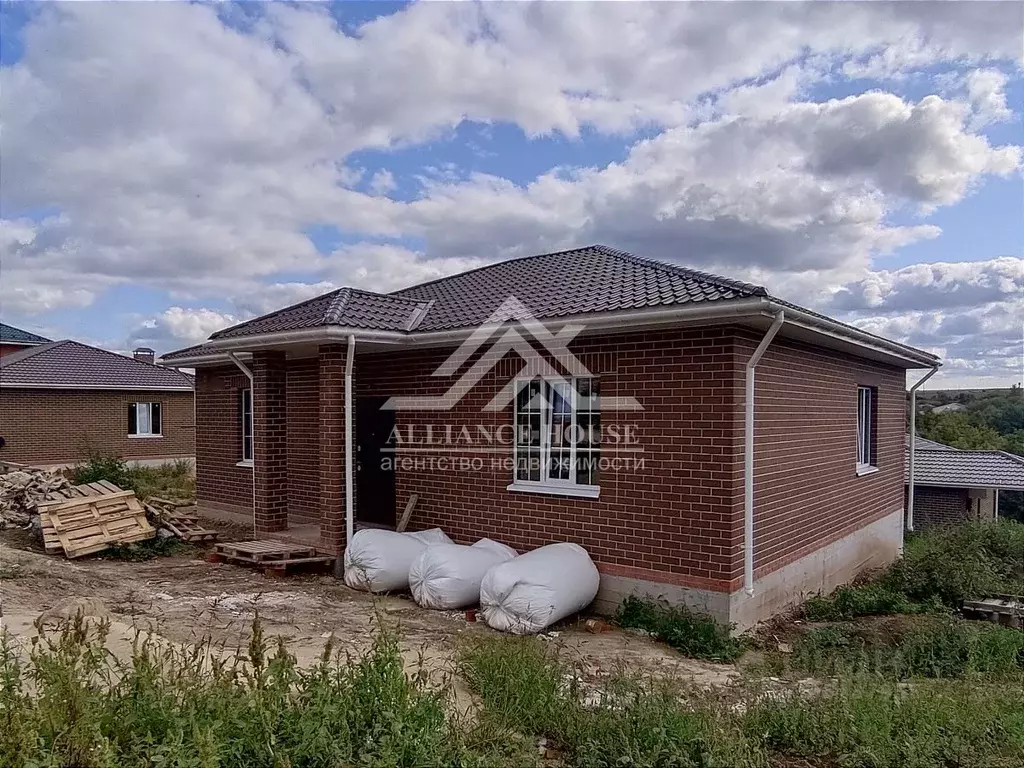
245 408
144 419
557 433
866 411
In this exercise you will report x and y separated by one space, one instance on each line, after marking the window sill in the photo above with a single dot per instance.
247 463
579 491
144 437
866 469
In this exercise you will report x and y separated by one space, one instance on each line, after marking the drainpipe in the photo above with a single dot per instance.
748 456
349 478
252 415
913 447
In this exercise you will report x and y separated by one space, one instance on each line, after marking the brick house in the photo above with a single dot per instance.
15 339
588 396
953 485
62 401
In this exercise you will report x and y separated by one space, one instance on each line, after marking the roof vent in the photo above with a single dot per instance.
144 355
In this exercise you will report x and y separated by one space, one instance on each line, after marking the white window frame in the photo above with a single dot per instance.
146 408
866 410
547 484
247 460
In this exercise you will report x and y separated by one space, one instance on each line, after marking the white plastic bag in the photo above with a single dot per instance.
533 591
448 576
378 560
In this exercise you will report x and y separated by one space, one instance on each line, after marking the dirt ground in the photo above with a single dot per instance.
183 598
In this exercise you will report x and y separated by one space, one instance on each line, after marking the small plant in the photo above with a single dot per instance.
700 637
850 601
113 469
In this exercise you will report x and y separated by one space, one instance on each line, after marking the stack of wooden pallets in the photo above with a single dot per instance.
86 519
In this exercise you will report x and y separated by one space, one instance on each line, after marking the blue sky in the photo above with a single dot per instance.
173 169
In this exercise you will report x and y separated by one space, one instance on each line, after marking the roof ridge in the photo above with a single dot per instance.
719 280
337 306
275 313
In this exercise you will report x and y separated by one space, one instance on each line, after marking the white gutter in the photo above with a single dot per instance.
913 446
252 415
349 477
748 456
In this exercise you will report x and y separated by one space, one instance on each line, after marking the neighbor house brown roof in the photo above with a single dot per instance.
11 335
967 469
72 365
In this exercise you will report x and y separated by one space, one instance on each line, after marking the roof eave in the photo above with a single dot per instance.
92 387
985 486
732 309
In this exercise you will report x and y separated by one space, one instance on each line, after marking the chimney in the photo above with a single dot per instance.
144 355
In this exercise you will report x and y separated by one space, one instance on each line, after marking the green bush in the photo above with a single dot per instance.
113 469
700 637
850 601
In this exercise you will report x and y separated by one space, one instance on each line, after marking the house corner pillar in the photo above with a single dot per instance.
270 454
332 446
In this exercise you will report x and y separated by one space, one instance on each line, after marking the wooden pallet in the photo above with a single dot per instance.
99 488
91 523
187 528
275 557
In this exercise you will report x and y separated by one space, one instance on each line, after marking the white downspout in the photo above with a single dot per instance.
252 415
748 456
349 478
913 447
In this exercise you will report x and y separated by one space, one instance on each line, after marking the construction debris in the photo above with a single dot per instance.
91 523
21 489
276 558
187 528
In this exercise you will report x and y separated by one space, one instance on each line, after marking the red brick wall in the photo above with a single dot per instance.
678 519
939 506
63 426
678 516
219 481
303 408
806 489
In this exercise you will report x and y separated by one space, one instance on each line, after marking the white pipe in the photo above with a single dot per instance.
748 455
913 447
995 506
349 478
252 415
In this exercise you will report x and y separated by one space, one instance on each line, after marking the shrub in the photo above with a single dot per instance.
113 469
850 601
698 636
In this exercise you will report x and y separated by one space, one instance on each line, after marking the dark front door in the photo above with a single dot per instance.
375 476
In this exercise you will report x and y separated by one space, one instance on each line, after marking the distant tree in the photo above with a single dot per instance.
958 430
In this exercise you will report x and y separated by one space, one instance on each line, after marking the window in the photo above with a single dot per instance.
557 435
245 410
866 410
144 420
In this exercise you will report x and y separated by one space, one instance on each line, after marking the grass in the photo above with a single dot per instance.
858 720
72 704
938 571
700 637
173 479
149 549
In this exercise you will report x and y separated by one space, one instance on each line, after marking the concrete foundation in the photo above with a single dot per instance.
871 547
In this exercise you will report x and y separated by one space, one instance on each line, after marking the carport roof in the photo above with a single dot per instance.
967 469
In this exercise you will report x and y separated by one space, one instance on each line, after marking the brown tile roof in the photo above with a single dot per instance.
347 307
72 365
924 444
967 469
592 279
584 280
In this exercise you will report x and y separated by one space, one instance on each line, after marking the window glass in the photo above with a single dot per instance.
558 426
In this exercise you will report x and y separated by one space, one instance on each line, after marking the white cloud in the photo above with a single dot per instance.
193 156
